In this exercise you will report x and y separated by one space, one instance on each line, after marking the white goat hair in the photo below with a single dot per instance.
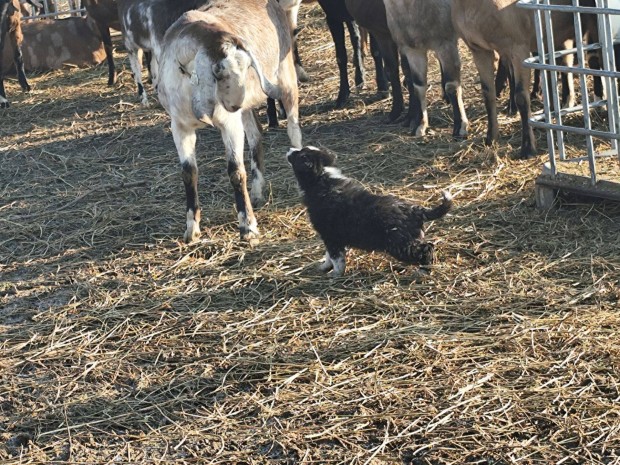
205 79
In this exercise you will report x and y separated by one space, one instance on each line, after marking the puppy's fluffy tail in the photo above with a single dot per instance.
441 210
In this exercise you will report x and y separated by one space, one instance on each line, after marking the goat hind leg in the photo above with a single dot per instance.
18 57
451 69
336 29
231 126
358 62
135 59
185 141
254 135
290 101
418 114
484 60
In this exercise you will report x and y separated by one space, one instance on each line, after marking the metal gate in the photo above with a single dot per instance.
58 9
574 141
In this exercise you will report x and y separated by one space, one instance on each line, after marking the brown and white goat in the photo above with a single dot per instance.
418 26
144 23
105 14
10 22
216 66
490 26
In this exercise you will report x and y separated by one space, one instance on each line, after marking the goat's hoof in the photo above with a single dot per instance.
5 104
526 154
394 115
251 237
273 124
191 236
341 101
302 76
27 88
257 201
420 131
460 133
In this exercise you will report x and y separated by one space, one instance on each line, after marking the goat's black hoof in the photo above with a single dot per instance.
341 101
406 122
5 104
302 75
527 153
273 124
393 116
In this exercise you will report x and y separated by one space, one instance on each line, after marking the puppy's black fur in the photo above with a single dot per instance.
345 214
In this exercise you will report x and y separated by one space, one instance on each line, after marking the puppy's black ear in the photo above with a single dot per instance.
326 158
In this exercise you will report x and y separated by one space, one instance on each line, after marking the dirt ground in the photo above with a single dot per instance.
120 344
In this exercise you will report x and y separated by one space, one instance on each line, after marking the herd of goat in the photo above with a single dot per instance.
212 62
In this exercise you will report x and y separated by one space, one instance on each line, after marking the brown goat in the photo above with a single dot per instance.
10 22
489 26
50 44
418 26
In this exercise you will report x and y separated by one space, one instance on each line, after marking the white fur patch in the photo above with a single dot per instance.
334 173
292 150
326 264
193 227
339 266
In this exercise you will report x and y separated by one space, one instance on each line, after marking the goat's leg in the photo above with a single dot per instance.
4 103
505 74
568 82
522 97
484 60
272 113
254 135
135 60
418 113
451 67
104 30
290 101
17 38
358 61
231 127
185 141
389 51
336 29
501 76
377 57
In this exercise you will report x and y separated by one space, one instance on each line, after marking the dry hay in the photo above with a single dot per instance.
120 344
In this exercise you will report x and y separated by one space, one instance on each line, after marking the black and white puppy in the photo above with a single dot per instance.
345 214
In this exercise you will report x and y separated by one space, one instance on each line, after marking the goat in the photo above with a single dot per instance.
50 44
564 36
205 79
336 14
418 26
105 14
143 24
291 8
371 15
499 26
10 22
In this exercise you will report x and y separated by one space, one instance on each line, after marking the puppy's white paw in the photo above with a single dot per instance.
326 265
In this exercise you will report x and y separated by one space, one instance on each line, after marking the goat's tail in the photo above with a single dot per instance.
440 210
270 89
